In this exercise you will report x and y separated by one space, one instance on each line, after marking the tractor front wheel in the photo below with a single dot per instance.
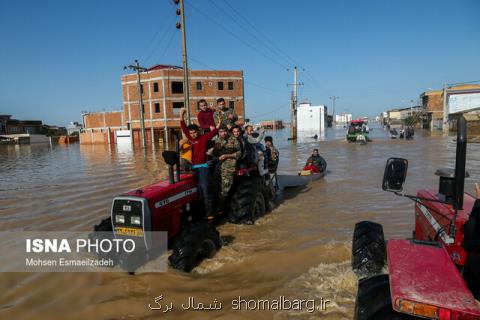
368 249
374 301
198 241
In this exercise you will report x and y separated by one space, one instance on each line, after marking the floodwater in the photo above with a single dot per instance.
301 250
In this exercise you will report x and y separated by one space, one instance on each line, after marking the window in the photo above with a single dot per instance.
199 85
230 85
155 87
231 104
220 85
177 87
157 107
176 107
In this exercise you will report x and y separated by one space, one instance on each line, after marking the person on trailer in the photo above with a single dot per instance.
272 154
199 143
227 150
205 116
318 161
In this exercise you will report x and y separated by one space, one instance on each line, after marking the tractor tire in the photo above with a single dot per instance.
247 201
197 241
374 301
104 226
104 230
368 249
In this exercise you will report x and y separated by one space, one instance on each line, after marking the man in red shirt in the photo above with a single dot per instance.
205 116
199 144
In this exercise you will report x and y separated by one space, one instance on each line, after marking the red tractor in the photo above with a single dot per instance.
174 206
436 273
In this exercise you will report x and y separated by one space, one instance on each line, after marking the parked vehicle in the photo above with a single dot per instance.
436 273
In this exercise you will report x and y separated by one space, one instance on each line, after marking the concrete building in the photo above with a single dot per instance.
162 93
272 124
74 128
462 99
311 119
343 118
396 118
14 126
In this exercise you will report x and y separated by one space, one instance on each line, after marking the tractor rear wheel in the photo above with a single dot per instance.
247 201
197 241
374 301
368 248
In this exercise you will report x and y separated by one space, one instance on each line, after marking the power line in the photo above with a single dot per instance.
262 42
292 61
245 82
152 40
169 29
237 37
168 44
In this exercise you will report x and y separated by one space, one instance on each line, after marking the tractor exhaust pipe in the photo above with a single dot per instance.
172 158
177 147
460 162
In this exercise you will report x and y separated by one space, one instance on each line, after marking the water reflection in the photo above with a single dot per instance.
301 250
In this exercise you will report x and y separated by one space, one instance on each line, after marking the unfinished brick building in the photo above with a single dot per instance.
162 93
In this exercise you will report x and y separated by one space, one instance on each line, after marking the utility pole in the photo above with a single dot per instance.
445 127
138 69
294 102
334 98
186 88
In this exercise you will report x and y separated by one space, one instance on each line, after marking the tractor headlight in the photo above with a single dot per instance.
135 220
119 218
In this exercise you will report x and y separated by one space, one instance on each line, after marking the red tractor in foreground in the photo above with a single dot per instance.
174 206
435 274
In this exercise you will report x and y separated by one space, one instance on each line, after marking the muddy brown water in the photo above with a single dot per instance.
301 250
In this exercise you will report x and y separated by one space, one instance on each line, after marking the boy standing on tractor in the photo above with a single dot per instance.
205 116
199 143
227 149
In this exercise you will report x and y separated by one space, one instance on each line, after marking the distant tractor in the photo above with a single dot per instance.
358 132
174 206
436 273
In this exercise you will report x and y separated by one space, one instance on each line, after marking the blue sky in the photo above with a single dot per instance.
62 57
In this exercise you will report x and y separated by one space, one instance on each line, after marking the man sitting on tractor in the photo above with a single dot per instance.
255 147
227 150
199 143
237 133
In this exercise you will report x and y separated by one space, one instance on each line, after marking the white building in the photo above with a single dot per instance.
311 119
343 118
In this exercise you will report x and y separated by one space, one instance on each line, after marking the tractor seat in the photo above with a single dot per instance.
448 173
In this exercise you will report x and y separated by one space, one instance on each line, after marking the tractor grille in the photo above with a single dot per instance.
127 209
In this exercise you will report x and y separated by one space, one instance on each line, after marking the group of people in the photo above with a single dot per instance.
224 143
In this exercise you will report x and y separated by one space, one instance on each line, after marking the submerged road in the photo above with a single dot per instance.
301 250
